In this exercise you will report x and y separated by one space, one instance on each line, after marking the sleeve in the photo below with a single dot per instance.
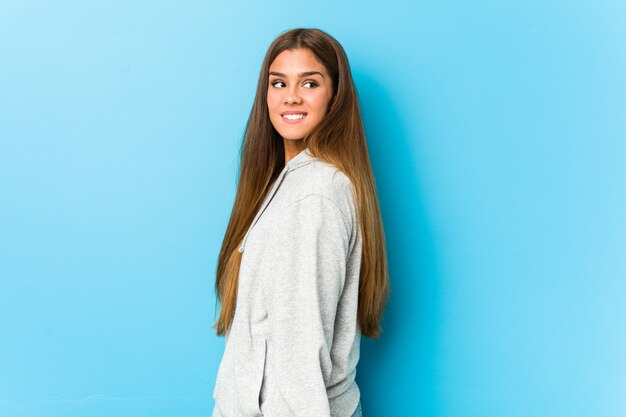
309 252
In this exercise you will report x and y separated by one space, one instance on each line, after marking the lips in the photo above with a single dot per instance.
293 112
293 116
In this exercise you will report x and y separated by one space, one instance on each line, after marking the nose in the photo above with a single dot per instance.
291 96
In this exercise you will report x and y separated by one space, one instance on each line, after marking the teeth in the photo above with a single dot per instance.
294 116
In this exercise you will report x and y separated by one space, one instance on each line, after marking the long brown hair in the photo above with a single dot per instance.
338 139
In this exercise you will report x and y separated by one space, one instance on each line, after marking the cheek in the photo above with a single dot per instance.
273 100
270 101
320 102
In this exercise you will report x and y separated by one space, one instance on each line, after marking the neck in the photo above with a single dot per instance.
292 148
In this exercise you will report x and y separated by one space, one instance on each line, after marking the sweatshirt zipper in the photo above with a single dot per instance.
269 197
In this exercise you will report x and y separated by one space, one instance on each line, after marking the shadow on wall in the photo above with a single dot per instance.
397 373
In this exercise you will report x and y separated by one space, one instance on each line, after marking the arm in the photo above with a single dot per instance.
309 252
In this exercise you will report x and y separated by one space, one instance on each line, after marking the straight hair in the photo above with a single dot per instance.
339 139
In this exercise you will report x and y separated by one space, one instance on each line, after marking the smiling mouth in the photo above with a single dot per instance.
299 116
293 118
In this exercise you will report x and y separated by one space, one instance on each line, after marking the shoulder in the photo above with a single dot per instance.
325 180
321 194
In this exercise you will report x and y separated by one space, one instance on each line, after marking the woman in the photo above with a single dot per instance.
302 272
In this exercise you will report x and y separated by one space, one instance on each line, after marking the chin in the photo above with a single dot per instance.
292 135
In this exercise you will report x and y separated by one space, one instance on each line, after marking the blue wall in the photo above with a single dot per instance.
498 139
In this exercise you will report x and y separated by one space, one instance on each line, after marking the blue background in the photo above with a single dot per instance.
497 134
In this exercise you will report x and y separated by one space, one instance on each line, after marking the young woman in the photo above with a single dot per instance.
302 272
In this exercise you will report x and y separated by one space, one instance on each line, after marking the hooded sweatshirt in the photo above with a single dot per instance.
294 342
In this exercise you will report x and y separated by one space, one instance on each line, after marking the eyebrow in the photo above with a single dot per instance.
302 74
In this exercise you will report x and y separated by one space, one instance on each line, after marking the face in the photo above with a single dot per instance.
299 92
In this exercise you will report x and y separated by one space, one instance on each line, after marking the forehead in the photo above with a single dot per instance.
292 62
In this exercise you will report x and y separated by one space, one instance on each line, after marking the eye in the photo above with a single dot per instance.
277 82
313 84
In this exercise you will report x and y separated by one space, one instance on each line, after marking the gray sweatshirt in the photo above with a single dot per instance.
294 343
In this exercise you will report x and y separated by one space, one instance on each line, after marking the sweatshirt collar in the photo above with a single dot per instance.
302 158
